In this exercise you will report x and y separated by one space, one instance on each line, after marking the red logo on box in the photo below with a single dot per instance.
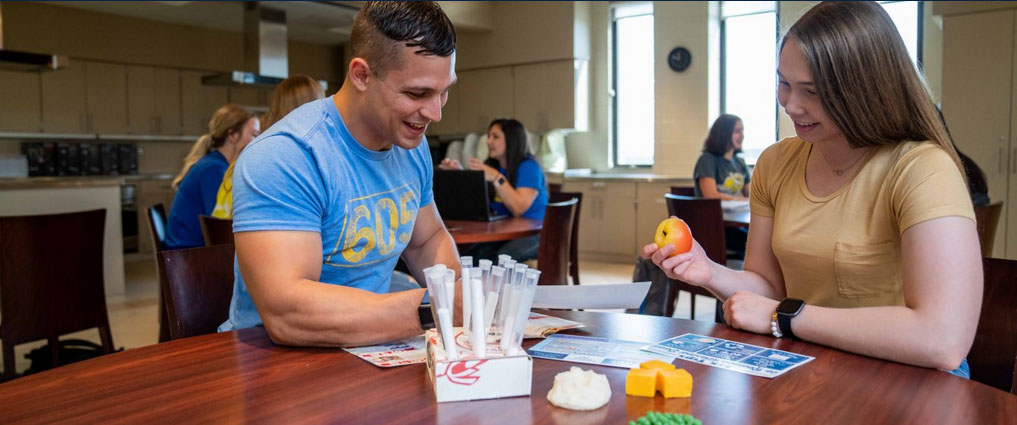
463 372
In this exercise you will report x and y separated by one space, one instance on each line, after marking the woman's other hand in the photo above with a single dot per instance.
490 174
450 164
692 267
749 311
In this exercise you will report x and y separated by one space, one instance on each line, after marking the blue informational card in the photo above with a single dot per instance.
594 350
730 355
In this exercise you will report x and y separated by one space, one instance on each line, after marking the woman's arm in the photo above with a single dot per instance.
517 200
746 190
943 281
708 187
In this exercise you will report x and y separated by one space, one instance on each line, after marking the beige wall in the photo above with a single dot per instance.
521 32
79 33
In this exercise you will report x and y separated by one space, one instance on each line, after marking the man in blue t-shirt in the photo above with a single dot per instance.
328 200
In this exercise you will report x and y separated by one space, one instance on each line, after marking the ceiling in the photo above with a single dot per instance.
320 22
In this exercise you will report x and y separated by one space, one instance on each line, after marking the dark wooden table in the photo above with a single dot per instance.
241 377
465 232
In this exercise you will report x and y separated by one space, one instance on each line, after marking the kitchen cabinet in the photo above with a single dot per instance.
485 94
63 99
106 97
980 105
245 96
153 100
198 102
607 220
650 210
544 95
20 104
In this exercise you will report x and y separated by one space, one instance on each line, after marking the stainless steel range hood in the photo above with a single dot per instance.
265 59
11 60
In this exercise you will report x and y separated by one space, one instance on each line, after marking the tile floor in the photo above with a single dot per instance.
133 316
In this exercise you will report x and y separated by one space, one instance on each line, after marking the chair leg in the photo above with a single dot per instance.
107 339
54 350
9 371
692 306
670 294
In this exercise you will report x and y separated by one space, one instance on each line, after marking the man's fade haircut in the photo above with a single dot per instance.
383 27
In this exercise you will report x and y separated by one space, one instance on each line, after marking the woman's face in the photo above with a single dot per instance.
248 132
496 142
796 92
737 136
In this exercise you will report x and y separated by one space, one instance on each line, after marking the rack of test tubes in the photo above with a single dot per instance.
484 358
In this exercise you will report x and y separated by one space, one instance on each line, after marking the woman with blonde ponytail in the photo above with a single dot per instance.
229 131
863 235
287 96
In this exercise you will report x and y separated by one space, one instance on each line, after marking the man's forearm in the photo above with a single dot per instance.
323 315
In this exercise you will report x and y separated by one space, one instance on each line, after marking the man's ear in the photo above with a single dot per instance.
360 73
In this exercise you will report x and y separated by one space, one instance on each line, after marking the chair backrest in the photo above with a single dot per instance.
555 243
706 220
199 287
992 355
683 191
216 231
987 219
51 278
157 222
555 197
553 188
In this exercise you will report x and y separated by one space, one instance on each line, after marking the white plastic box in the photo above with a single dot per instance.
471 378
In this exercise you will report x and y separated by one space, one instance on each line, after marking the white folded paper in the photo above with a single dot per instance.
618 295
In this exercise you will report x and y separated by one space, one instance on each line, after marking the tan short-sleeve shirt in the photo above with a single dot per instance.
844 250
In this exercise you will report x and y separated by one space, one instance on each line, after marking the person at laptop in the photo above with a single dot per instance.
329 198
519 183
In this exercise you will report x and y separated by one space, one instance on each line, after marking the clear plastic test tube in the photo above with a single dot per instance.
523 313
465 261
467 299
478 336
491 296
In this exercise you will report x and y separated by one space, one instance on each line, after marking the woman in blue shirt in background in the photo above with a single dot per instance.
230 130
519 184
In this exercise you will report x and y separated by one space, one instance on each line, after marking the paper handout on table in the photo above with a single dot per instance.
619 295
595 350
730 355
396 353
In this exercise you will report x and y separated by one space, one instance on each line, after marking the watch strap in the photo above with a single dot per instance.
784 325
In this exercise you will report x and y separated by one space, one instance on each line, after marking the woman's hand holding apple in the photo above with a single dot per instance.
692 267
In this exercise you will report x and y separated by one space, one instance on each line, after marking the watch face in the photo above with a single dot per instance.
790 306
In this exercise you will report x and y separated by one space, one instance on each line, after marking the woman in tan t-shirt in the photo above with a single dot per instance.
862 235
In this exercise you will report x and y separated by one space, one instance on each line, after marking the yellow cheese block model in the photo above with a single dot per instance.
656 364
655 375
641 382
674 383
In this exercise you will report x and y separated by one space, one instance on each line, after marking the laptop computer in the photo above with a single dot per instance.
463 195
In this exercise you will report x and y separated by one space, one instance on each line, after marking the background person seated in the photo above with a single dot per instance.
519 183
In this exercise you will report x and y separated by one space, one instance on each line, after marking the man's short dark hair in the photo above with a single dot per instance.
383 27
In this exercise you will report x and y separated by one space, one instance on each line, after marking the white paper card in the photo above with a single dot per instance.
618 295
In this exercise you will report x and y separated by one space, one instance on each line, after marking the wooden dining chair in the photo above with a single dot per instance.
199 287
553 188
554 197
51 280
216 231
986 221
555 242
157 224
683 191
995 347
706 220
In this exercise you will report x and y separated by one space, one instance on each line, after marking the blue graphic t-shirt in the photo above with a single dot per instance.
308 173
528 174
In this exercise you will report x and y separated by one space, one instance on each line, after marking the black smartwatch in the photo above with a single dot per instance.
501 181
787 310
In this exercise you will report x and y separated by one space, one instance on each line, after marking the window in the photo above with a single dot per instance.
632 84
906 15
748 71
